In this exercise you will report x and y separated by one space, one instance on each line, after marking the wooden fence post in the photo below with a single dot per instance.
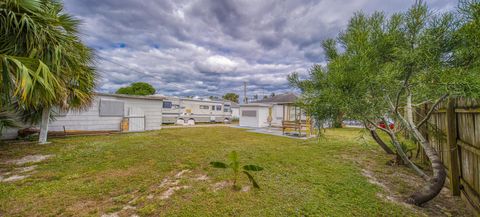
452 153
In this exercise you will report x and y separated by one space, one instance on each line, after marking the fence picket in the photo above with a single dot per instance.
454 131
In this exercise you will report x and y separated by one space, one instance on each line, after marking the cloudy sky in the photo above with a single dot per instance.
210 47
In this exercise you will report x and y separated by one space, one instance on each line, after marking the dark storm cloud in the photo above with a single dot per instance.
210 47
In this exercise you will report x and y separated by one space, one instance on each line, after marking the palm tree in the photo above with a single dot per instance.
43 62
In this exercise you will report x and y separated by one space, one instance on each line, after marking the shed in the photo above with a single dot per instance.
254 115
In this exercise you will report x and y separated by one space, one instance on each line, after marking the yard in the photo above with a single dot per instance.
167 173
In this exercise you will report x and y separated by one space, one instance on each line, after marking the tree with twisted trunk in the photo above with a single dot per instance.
390 66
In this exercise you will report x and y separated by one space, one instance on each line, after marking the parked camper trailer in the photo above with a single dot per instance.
190 111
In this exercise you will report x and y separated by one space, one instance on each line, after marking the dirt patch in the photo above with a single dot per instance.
387 194
220 185
171 190
110 215
181 173
14 178
128 207
20 173
399 182
202 178
26 169
29 159
245 188
162 191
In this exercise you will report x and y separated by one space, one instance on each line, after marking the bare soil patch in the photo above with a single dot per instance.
14 178
398 182
19 173
221 185
29 159
162 191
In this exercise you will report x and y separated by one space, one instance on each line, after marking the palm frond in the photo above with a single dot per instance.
8 119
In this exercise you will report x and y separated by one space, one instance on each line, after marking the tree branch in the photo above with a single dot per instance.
380 128
430 112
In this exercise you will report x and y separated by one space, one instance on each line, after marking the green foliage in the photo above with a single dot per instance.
234 164
137 88
386 58
43 62
395 63
7 119
231 97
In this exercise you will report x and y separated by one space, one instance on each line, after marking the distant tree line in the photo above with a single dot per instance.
137 88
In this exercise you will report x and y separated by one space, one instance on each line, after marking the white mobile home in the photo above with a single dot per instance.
278 111
282 107
108 112
191 111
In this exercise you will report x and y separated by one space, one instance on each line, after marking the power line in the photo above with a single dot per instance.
118 64
173 84
129 68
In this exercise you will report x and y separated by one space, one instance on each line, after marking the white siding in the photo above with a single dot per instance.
90 119
263 117
152 110
277 115
260 120
235 112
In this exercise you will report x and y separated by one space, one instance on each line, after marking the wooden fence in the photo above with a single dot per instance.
454 131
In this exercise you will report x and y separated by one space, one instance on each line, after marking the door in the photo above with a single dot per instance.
136 119
248 118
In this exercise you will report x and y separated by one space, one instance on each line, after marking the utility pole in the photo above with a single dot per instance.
245 100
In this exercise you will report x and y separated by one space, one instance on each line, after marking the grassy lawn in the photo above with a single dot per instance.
94 175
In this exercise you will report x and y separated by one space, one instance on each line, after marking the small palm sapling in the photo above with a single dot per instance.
234 164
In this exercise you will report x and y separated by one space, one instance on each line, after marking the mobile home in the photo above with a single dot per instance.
279 112
108 112
190 111
282 107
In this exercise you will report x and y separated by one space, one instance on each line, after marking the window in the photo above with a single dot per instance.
226 108
213 108
204 107
111 108
167 104
249 113
219 108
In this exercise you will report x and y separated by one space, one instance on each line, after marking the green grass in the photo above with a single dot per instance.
93 175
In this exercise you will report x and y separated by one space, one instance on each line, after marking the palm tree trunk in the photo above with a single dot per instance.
380 142
436 182
42 139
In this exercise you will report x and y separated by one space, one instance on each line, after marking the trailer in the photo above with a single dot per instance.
189 111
